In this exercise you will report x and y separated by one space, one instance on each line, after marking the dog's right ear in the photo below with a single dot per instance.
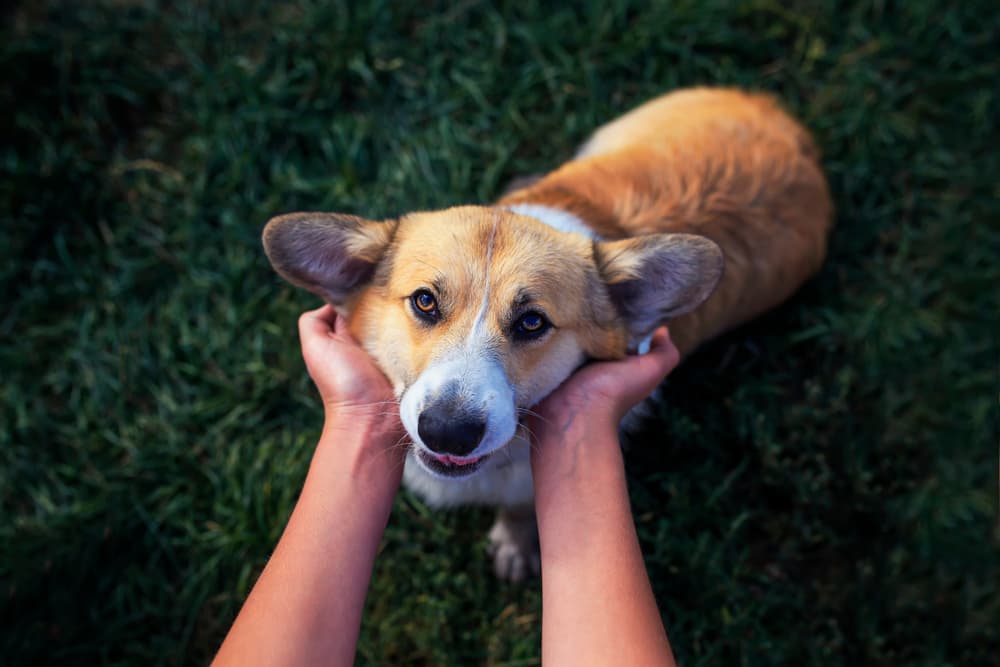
329 254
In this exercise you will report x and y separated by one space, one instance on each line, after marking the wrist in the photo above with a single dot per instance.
376 429
376 418
360 449
584 458
558 421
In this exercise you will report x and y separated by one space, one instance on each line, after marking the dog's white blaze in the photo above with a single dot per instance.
476 330
481 380
556 218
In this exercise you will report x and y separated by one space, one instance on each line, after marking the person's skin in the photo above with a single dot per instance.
598 607
597 604
306 607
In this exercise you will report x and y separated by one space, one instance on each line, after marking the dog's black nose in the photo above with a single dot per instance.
445 432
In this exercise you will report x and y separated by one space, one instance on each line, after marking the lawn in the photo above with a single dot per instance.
819 487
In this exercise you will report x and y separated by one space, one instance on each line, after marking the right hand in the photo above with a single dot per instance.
350 383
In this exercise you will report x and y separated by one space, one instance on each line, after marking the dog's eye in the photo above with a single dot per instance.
531 325
425 304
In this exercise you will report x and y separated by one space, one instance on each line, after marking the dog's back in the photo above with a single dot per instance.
721 163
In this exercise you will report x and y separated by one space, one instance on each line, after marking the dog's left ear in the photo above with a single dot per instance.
330 254
654 278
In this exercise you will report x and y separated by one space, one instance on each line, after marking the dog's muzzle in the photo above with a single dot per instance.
458 413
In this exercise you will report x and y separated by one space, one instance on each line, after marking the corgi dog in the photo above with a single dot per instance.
701 208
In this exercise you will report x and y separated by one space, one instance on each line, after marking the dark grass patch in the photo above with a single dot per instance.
819 486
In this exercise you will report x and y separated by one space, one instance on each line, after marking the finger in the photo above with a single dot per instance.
317 322
665 350
326 313
664 346
660 360
659 338
342 330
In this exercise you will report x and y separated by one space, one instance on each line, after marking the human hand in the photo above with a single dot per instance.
599 394
576 458
351 386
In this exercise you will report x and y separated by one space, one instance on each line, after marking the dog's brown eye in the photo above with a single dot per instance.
425 304
531 325
532 322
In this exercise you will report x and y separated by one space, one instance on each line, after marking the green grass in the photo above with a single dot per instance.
821 486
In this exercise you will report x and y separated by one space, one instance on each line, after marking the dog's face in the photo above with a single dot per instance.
476 313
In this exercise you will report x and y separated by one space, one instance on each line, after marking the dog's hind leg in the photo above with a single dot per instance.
514 543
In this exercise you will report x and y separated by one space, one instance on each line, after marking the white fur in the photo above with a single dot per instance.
483 387
556 218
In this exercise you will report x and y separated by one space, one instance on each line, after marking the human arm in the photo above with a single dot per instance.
306 606
598 606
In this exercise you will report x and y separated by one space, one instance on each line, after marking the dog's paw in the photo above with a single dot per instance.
511 563
514 547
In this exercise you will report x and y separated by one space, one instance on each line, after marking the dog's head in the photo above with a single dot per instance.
476 313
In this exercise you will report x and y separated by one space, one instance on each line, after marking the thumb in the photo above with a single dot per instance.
317 322
662 358
342 330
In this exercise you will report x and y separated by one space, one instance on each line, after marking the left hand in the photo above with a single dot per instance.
600 393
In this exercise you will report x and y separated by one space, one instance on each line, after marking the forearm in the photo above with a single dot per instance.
306 607
598 605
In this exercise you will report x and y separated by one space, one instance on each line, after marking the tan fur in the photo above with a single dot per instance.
724 164
466 252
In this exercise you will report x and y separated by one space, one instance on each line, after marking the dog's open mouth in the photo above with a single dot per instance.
451 466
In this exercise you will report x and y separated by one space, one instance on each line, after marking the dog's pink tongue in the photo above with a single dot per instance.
455 460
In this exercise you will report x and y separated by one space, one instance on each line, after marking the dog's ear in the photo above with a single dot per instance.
329 254
654 278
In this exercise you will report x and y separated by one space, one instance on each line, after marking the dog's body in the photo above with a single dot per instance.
477 313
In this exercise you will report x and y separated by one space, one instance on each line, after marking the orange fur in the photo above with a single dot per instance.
724 164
